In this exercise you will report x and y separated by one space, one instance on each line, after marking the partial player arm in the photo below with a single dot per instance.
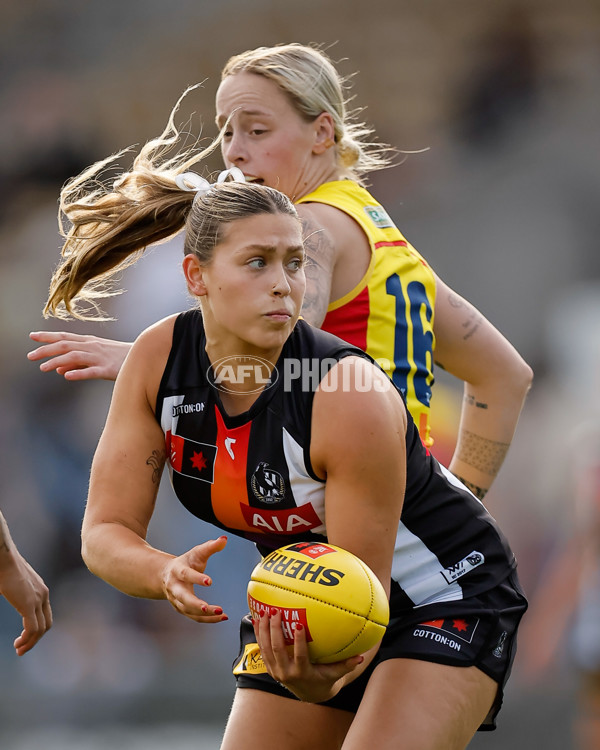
496 381
338 256
124 482
79 356
320 261
25 590
359 445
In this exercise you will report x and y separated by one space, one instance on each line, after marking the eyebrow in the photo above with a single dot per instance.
271 249
221 119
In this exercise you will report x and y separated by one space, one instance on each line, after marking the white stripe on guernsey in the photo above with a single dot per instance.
306 489
456 481
167 421
419 572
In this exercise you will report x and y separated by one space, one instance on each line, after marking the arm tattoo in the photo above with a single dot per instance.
482 454
472 401
319 268
479 492
473 317
157 462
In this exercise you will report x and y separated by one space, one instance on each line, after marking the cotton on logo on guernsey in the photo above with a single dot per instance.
187 408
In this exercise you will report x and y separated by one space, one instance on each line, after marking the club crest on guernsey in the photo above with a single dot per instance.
267 484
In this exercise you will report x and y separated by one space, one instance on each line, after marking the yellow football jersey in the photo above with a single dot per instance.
389 314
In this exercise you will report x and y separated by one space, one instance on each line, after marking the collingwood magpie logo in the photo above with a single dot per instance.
497 652
267 484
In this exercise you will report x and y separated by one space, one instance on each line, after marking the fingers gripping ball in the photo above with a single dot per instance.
331 592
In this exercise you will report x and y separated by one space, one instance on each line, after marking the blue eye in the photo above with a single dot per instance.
257 263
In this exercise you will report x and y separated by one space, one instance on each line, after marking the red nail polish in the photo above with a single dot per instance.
299 627
274 611
218 611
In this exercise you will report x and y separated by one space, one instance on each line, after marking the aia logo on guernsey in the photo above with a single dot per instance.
290 521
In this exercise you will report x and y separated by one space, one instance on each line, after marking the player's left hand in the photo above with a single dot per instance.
291 665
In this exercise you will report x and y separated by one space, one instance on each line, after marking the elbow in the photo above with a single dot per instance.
516 381
88 550
86 554
524 378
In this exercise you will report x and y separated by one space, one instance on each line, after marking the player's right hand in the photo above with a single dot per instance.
77 356
182 573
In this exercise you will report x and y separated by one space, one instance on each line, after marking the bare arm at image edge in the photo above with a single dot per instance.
496 382
25 590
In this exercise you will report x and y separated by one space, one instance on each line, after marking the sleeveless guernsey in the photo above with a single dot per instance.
251 474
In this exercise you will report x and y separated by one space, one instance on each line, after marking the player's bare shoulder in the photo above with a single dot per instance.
148 356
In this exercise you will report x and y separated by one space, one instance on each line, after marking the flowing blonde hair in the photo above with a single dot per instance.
107 225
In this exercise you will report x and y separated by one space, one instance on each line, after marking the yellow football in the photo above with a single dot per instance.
331 592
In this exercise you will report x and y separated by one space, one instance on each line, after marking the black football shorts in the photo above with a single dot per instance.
480 631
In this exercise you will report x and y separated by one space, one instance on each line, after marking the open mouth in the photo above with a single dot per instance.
255 180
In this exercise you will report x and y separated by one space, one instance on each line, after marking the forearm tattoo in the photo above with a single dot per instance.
472 401
157 462
473 317
319 259
482 454
479 492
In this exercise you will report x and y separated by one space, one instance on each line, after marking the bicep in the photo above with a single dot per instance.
130 456
359 445
467 344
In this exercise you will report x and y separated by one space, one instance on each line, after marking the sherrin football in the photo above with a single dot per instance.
331 592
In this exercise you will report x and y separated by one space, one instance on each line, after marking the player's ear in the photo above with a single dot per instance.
194 275
324 133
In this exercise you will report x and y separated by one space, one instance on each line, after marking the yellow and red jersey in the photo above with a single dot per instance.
389 314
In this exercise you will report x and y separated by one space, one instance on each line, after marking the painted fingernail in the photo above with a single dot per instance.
204 608
224 618
218 611
263 613
299 627
207 582
273 611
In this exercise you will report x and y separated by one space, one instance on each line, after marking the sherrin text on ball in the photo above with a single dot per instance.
331 592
